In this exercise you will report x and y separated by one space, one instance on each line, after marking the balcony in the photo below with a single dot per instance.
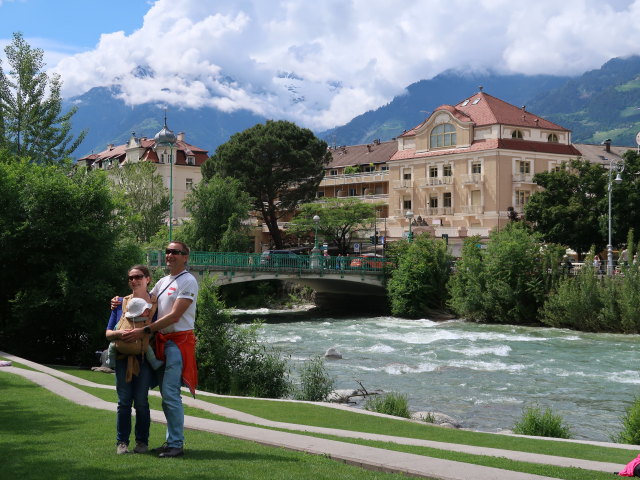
363 177
523 178
436 211
472 209
472 178
402 184
436 181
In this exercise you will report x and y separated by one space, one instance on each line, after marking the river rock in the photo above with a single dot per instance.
341 396
439 419
332 353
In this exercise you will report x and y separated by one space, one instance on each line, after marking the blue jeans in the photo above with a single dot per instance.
136 394
170 383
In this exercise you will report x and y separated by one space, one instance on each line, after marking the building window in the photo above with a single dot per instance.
433 201
333 172
522 197
524 167
161 159
552 138
447 171
352 192
189 184
406 204
191 160
320 194
476 197
446 199
406 176
443 135
433 172
384 168
516 134
476 167
369 168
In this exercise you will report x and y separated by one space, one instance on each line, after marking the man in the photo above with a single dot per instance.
175 342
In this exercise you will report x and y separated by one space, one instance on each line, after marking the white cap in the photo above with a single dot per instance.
136 307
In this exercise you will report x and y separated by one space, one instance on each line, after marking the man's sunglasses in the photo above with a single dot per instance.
136 277
174 251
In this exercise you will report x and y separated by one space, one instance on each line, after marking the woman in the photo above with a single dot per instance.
134 392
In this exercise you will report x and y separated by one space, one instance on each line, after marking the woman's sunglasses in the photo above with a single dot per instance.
136 277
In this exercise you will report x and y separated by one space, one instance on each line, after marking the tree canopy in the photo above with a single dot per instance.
31 122
340 220
279 164
217 207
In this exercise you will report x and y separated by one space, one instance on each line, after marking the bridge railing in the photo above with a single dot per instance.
278 262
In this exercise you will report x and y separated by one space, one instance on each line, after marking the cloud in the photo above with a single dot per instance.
322 63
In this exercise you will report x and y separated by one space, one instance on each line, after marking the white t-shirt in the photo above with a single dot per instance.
183 285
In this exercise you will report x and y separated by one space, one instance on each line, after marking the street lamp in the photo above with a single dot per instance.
409 215
163 138
315 253
618 166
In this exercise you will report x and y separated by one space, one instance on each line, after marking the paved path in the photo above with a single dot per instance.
366 457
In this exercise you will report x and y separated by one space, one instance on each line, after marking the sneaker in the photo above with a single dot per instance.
141 447
171 452
162 448
122 448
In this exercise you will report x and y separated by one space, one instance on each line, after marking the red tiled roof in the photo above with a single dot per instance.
362 154
493 144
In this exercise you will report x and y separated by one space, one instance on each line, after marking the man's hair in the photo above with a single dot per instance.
182 244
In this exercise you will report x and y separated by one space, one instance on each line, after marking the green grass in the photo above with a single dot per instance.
314 415
44 436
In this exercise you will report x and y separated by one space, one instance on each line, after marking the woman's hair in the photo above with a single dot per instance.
143 268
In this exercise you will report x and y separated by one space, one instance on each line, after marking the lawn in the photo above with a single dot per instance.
44 436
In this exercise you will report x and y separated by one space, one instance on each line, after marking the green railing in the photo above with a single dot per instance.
277 262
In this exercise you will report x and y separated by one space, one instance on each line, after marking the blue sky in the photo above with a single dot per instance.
316 63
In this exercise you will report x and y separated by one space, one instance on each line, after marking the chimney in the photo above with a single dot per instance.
369 148
181 136
607 145
110 146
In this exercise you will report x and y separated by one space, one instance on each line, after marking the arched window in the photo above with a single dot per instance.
444 135
552 138
516 134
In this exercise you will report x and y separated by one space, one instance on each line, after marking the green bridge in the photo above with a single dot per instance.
334 279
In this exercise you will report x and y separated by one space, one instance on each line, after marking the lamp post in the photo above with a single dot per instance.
618 166
409 215
315 253
166 137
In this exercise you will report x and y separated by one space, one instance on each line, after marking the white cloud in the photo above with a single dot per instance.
321 63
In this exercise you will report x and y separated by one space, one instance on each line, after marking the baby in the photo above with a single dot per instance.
137 311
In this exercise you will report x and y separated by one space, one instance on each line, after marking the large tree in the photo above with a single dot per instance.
145 199
218 208
573 207
31 119
340 220
279 164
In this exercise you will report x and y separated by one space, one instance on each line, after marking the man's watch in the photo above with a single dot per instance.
147 329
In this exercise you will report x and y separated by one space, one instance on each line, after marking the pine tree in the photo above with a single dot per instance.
31 122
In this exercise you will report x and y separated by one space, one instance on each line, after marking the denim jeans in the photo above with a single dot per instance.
136 394
170 383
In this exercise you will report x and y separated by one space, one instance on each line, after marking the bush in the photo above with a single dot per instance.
230 357
534 422
630 433
315 382
392 403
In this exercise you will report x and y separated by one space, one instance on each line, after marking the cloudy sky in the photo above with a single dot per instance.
317 63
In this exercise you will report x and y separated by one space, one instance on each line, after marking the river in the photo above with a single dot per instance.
482 375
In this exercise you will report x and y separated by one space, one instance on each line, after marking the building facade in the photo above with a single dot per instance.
186 160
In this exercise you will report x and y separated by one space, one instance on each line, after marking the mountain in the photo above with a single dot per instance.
421 98
108 119
600 104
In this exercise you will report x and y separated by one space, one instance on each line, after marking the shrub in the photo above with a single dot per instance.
547 424
315 382
392 403
630 433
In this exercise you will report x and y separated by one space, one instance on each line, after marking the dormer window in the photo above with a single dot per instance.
191 160
516 134
443 135
552 138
